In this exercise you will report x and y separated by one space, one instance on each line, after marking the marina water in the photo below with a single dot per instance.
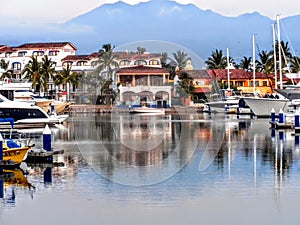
164 169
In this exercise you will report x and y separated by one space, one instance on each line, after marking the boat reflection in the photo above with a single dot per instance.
180 149
11 182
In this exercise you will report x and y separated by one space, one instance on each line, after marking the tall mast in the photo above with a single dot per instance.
279 52
228 72
253 56
275 60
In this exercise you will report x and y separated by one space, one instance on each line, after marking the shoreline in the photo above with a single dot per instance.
78 109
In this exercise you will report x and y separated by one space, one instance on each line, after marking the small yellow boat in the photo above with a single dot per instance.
13 151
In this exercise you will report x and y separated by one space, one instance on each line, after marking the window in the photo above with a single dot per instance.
239 83
67 63
16 66
94 63
22 53
153 62
265 83
81 63
124 63
7 54
38 53
53 53
140 62
256 83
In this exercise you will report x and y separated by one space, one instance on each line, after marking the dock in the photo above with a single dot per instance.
41 155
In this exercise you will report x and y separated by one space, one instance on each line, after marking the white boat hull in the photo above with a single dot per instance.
147 110
262 107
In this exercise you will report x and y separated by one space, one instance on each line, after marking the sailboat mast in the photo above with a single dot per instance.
254 68
279 51
228 72
275 60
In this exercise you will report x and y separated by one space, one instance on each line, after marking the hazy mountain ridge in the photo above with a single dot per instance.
201 31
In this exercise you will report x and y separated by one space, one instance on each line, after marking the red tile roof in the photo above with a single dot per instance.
136 56
5 48
222 74
199 74
76 58
142 70
46 45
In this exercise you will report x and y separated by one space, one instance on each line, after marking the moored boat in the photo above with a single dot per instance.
261 107
147 110
25 113
14 151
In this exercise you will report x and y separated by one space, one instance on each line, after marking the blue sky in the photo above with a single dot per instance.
49 11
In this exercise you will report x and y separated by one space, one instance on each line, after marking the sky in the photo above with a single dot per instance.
58 11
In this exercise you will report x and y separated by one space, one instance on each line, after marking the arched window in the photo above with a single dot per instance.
16 66
81 63
38 53
124 62
53 53
67 63
140 62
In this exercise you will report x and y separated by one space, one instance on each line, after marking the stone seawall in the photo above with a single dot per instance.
77 109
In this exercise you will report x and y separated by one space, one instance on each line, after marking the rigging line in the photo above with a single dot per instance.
289 40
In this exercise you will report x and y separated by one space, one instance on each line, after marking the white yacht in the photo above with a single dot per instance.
26 113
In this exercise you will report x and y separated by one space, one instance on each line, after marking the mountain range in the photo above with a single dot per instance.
161 21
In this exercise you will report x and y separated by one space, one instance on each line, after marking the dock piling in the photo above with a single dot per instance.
281 116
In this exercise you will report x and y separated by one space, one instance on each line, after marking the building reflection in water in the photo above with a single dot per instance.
125 147
141 149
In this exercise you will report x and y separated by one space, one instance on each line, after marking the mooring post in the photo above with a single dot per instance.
297 141
297 121
47 139
281 135
273 116
281 116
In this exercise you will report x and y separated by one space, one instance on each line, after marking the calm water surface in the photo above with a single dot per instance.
141 169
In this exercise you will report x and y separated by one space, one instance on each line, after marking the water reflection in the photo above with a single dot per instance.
11 182
177 156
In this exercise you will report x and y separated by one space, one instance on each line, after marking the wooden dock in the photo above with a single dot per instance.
41 155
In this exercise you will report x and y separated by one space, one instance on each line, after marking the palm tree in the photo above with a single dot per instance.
180 58
265 64
186 83
47 70
7 73
216 60
286 54
294 64
171 66
245 63
107 62
33 73
67 77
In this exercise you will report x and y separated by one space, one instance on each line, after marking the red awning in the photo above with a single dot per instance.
202 90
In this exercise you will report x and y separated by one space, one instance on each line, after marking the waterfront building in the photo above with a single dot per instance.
19 56
244 81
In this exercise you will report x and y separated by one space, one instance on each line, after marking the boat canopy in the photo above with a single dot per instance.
10 120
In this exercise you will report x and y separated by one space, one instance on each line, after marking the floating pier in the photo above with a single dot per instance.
284 121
